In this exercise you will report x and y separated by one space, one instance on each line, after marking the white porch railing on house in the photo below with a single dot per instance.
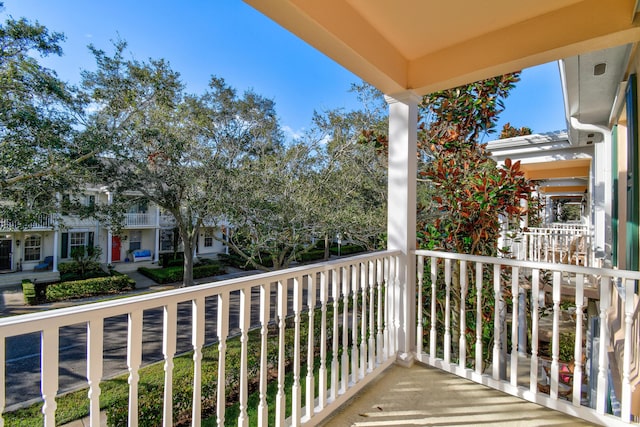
570 244
353 331
508 353
356 330
140 219
45 222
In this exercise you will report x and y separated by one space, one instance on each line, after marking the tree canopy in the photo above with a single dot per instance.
41 151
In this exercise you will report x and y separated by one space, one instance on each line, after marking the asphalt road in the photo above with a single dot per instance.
22 367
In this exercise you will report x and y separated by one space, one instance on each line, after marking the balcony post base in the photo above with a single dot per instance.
406 360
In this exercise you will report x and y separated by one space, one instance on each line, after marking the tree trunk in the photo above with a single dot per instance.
326 247
189 243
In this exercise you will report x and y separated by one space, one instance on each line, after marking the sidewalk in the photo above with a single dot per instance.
12 301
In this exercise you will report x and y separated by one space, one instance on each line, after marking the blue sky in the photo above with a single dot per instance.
229 39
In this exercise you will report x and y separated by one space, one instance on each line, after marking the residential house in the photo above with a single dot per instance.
372 307
145 228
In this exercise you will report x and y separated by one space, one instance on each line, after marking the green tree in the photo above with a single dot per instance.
471 193
41 153
152 151
272 206
353 178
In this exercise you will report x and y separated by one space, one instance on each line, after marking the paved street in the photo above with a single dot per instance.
22 368
23 352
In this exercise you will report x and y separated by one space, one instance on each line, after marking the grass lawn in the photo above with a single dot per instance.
114 392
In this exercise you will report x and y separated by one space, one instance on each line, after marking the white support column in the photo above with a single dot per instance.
156 249
109 234
401 214
600 189
56 239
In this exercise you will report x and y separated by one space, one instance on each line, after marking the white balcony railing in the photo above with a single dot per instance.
556 244
354 334
43 223
139 219
528 319
364 315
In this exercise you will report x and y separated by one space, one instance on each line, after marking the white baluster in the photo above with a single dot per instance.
535 290
419 326
245 324
169 350
310 385
263 407
629 290
49 346
134 359
463 315
515 289
603 366
372 311
95 340
335 365
223 332
392 304
388 301
345 329
397 302
355 357
577 371
555 338
3 399
478 318
282 313
447 311
362 366
197 342
296 392
322 371
434 319
497 327
380 335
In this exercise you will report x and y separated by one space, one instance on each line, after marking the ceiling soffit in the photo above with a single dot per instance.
430 45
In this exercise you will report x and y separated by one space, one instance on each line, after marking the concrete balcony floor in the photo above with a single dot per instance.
424 396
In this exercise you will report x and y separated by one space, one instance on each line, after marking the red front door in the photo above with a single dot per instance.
115 248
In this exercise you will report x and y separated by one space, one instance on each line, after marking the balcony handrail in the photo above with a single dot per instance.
45 222
371 328
511 365
28 323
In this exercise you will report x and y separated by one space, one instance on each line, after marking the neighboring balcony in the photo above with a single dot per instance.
140 220
45 222
556 243
348 320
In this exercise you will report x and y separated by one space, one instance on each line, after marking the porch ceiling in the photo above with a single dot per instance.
574 168
565 189
430 45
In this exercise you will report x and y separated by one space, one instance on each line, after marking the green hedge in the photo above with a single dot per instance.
89 287
70 271
29 292
316 254
175 274
168 259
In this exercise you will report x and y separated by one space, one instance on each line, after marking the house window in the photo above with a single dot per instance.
77 240
32 245
208 238
91 201
135 240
